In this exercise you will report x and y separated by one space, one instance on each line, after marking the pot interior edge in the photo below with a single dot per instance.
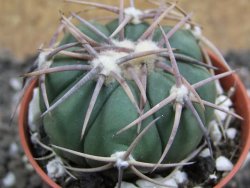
242 107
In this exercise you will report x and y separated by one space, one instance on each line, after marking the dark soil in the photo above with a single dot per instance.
13 164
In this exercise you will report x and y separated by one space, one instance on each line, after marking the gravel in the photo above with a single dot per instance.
15 171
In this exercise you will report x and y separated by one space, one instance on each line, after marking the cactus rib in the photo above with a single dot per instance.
190 105
98 87
89 76
177 118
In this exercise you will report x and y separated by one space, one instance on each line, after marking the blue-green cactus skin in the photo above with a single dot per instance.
113 109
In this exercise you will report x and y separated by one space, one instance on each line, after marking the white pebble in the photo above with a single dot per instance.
13 149
25 159
34 111
9 180
16 84
180 177
170 183
224 102
223 164
205 153
126 185
28 166
143 183
219 88
231 133
146 184
34 138
214 132
213 177
55 168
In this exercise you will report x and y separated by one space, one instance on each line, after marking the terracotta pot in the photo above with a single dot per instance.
242 106
240 100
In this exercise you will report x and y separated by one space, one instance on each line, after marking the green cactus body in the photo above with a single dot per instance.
113 109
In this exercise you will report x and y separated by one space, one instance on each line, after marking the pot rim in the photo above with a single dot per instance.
22 126
244 109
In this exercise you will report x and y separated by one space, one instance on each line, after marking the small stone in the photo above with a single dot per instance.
143 183
25 159
214 132
223 164
205 153
34 119
170 183
126 185
180 177
213 177
29 167
55 168
9 180
34 137
224 102
231 133
15 84
219 88
13 149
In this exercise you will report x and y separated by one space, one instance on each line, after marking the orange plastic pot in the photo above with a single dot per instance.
25 136
240 100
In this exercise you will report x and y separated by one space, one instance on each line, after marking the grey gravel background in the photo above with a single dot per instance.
15 171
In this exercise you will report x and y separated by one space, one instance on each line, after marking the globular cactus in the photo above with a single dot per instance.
133 93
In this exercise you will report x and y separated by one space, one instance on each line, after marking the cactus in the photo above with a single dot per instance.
132 93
